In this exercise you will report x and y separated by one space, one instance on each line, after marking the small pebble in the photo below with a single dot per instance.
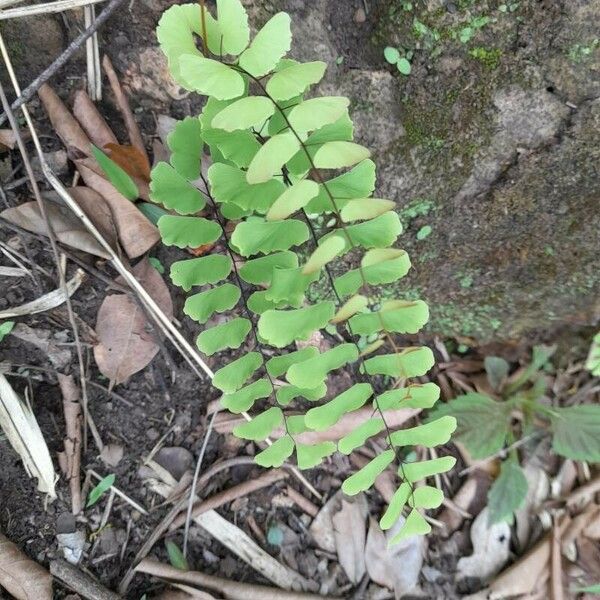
451 7
152 434
360 15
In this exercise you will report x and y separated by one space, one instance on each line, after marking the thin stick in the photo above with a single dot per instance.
45 8
556 584
80 582
35 85
61 275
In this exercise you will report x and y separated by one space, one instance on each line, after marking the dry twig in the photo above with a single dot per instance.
80 582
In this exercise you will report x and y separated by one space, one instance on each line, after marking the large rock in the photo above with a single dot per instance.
493 142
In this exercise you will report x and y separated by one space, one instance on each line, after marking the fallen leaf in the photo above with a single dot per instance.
90 119
125 345
111 454
349 532
8 138
396 567
537 491
471 497
321 528
67 227
47 301
491 549
130 159
23 433
136 234
59 357
22 577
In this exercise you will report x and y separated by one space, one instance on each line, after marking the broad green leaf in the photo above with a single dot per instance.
482 423
365 478
360 435
353 305
175 34
202 306
496 369
337 155
418 471
226 335
507 493
311 455
259 271
258 303
395 316
276 454
592 363
323 417
359 182
210 77
426 496
392 55
261 426
312 372
362 209
576 432
200 271
116 175
243 399
185 232
324 253
257 236
283 327
239 147
293 199
289 286
317 112
151 211
271 157
416 395
287 393
231 212
279 364
186 147
233 376
410 362
415 525
295 79
404 66
244 113
271 43
379 266
394 509
7 326
176 557
278 122
172 190
377 233
233 24
228 184
431 434
97 491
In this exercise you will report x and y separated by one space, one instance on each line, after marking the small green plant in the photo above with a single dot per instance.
486 426
298 190
176 557
489 57
466 33
5 328
592 364
402 61
579 52
98 491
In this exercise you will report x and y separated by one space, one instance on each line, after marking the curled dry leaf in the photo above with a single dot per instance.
396 567
22 577
125 344
47 301
349 532
67 227
92 121
23 433
491 549
136 234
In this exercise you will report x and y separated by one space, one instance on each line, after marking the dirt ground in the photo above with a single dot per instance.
166 404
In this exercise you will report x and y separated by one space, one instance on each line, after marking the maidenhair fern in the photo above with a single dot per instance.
296 223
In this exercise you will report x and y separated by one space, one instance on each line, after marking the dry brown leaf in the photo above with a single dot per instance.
349 532
125 345
491 549
22 577
59 357
92 121
396 567
538 489
64 123
67 227
321 528
8 138
98 212
136 234
130 159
